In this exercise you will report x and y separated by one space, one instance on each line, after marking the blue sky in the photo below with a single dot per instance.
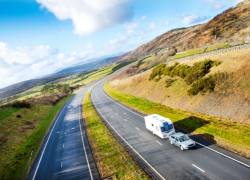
38 37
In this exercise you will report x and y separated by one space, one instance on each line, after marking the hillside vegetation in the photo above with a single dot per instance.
214 88
232 25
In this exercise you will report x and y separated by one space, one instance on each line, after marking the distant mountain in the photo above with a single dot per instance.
25 85
231 25
87 66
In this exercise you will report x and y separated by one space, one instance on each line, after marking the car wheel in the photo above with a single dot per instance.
171 142
182 148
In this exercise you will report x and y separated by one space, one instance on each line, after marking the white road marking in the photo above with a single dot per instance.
111 116
127 142
198 168
58 131
137 128
224 155
65 133
66 124
124 113
158 142
61 164
47 142
63 145
116 114
196 142
125 120
84 144
73 128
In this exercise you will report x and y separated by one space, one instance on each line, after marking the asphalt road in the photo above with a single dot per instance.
65 153
158 157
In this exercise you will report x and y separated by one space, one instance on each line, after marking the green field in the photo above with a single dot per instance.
218 47
108 159
212 129
19 136
145 61
6 112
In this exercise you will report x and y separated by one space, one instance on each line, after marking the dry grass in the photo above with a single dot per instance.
107 158
229 95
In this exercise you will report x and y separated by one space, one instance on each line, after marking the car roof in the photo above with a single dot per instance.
178 134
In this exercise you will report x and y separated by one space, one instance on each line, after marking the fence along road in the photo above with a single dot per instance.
158 157
65 153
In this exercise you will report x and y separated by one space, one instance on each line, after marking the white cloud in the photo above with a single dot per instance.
143 17
216 5
12 62
90 16
131 27
152 26
191 19
167 23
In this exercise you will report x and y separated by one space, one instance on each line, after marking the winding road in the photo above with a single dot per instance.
158 157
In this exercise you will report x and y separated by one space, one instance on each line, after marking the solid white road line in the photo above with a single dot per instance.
127 142
224 155
120 104
137 128
195 141
84 144
158 143
198 168
48 141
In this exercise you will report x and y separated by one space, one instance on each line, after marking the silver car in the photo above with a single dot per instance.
181 140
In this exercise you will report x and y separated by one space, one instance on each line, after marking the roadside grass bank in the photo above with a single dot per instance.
21 138
6 112
108 159
230 135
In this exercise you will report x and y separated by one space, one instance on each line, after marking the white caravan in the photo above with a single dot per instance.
161 126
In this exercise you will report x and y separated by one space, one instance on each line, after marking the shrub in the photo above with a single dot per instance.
169 82
21 104
202 85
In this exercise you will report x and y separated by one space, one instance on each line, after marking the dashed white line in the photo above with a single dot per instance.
73 128
48 140
63 145
158 142
137 128
111 116
196 142
66 124
125 119
58 131
198 168
65 133
116 114
61 164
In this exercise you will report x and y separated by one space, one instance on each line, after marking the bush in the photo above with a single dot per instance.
169 82
21 104
202 85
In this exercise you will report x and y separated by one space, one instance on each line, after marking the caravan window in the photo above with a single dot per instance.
166 127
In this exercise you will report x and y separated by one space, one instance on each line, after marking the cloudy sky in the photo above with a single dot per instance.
38 37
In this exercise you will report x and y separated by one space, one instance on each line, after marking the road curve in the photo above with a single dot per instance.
158 157
65 152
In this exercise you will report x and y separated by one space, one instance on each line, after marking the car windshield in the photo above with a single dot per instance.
166 127
183 138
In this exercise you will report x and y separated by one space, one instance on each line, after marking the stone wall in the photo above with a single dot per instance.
213 52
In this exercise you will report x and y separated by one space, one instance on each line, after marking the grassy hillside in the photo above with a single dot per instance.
21 136
232 25
227 100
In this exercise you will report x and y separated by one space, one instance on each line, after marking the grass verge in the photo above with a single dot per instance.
19 153
6 112
107 158
227 134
